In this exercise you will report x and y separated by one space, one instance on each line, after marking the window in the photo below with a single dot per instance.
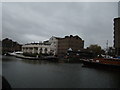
45 50
40 50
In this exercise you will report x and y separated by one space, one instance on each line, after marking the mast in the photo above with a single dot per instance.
107 48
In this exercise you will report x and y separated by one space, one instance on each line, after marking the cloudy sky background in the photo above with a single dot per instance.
29 22
0 21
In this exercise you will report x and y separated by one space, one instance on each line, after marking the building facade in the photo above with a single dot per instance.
10 46
36 48
74 43
0 47
54 44
117 36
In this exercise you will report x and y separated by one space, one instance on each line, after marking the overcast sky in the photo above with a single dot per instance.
29 22
0 21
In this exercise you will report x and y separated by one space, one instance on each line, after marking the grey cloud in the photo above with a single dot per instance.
26 22
0 21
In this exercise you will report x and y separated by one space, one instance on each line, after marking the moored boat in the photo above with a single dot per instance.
102 62
20 55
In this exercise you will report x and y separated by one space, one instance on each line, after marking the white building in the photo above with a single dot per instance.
54 44
49 46
36 48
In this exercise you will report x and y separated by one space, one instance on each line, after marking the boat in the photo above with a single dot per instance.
20 55
15 53
102 62
26 57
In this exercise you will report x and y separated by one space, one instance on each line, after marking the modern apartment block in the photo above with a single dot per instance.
117 35
119 9
0 47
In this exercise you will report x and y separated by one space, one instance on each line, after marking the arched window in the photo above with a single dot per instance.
45 50
40 50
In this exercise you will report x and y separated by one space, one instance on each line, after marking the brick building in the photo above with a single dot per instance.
10 46
117 36
74 43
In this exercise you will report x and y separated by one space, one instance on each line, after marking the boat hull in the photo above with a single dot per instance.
100 65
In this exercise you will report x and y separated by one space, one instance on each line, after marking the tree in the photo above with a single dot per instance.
96 49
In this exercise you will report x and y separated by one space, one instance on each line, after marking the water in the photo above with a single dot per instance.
0 72
42 74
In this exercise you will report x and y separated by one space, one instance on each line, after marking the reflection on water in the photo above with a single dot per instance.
31 61
43 74
0 72
36 61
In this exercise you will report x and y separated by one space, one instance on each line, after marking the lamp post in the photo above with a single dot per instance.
107 48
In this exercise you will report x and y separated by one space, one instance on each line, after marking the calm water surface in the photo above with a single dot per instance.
42 74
